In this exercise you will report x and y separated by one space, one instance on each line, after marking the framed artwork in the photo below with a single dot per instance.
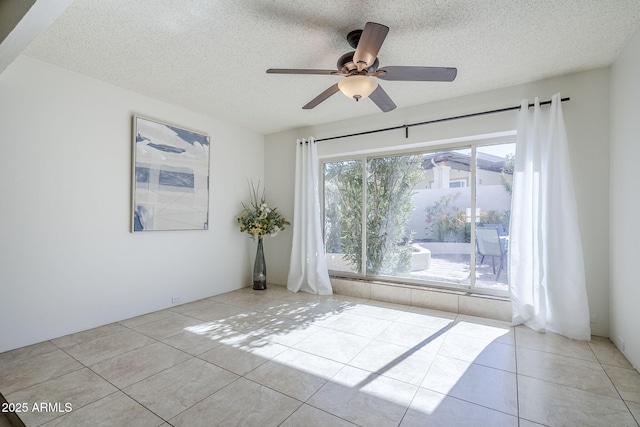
170 177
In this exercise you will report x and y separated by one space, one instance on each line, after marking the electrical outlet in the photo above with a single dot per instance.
176 300
594 318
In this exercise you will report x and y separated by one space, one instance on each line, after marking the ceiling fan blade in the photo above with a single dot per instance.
417 74
322 97
303 71
382 100
369 45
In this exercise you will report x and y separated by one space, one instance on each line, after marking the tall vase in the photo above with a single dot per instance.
260 269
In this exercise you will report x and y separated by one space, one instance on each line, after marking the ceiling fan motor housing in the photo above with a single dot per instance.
346 64
353 38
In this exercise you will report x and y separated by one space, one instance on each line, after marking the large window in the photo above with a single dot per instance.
435 217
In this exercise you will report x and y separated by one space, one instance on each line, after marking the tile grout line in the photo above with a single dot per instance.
17 417
614 385
12 417
347 364
118 389
244 376
156 340
515 352
298 324
616 388
601 364
326 381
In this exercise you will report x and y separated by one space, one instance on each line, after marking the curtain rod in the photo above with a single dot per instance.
406 127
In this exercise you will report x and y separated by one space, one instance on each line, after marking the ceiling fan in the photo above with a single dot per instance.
360 66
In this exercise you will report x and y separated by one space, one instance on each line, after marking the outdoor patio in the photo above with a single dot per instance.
445 268
450 268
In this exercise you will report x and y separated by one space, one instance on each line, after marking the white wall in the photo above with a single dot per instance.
488 198
67 259
587 120
625 205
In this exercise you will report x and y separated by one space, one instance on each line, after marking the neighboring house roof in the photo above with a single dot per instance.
461 161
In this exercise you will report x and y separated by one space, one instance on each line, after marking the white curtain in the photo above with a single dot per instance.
308 268
547 279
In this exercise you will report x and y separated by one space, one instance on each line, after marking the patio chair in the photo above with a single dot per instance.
500 228
489 244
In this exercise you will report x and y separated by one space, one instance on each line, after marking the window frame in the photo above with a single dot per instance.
472 143
462 181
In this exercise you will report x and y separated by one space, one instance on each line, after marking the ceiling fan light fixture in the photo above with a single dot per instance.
358 86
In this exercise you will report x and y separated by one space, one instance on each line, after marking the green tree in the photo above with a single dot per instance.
506 174
343 210
496 217
445 222
390 184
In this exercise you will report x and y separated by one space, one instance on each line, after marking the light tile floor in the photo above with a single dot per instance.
274 358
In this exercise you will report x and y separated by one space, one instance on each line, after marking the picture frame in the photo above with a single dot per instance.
170 177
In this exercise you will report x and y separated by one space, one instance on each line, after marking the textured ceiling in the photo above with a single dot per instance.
210 56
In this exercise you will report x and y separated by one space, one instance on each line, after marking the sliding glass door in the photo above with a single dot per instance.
414 218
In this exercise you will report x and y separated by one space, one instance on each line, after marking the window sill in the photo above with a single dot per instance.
459 302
